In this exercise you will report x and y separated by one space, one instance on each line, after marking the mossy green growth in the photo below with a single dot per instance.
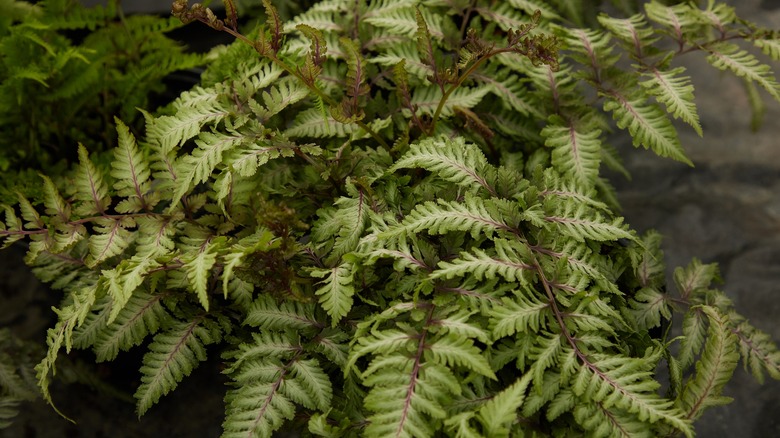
388 218
66 71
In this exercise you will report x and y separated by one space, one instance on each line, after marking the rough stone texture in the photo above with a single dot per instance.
726 209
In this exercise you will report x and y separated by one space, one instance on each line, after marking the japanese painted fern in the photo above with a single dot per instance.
388 219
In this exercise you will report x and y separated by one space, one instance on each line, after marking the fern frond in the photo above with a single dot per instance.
770 47
266 345
111 239
427 99
248 156
53 202
590 47
601 421
452 160
256 407
198 268
168 132
349 110
730 57
140 317
457 324
524 312
452 350
634 31
403 21
122 281
696 277
647 124
155 235
679 18
351 218
648 306
717 15
758 350
315 383
199 166
317 19
91 190
545 352
332 343
282 94
512 92
501 410
576 149
510 262
382 7
403 393
310 123
130 171
715 367
32 219
548 12
336 291
12 224
407 52
694 331
504 14
68 319
172 355
580 222
269 375
676 92
312 65
441 217
260 240
621 382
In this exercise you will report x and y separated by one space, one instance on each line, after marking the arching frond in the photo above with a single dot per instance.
634 31
501 410
576 149
759 353
172 355
403 21
511 262
718 361
130 171
580 222
730 57
427 99
140 317
521 313
473 215
336 290
454 161
676 92
619 382
91 190
647 124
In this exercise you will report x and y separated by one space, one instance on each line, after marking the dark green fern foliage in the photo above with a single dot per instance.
66 70
17 375
388 219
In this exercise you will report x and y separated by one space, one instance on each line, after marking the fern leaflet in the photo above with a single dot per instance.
172 355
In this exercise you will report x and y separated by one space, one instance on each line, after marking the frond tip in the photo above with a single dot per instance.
173 354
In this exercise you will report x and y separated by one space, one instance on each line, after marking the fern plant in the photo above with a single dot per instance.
66 70
388 219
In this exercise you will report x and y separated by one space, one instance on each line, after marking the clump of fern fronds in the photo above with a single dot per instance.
388 219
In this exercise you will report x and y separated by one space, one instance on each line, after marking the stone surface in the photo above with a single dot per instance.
726 209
